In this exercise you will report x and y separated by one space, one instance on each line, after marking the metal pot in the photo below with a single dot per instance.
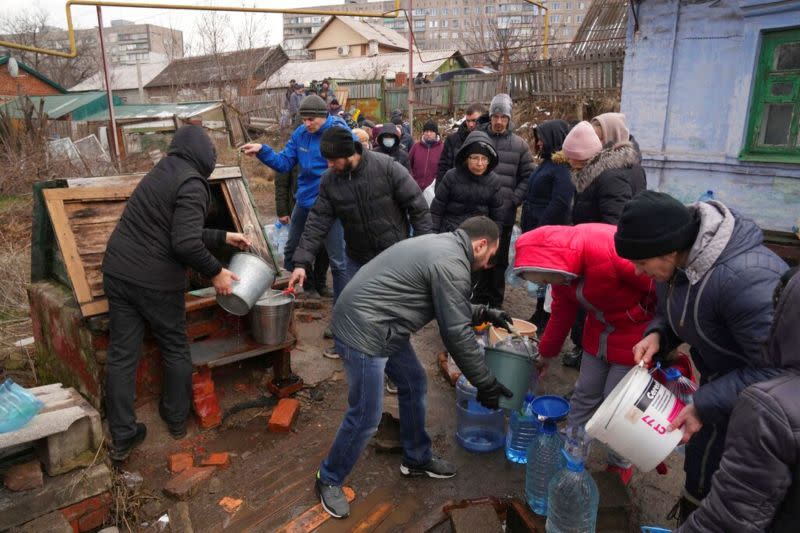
255 277
270 317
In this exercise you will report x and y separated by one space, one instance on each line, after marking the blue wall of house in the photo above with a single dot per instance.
686 89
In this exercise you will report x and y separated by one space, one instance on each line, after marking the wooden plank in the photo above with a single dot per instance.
220 173
67 244
313 517
96 307
226 193
251 226
224 173
122 192
94 213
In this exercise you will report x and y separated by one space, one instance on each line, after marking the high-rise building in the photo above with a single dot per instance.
462 24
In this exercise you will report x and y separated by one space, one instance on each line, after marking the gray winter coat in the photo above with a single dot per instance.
721 304
757 486
404 288
513 169
375 202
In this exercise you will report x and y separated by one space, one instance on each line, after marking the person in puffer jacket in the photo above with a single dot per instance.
612 130
388 142
469 189
757 486
585 271
715 281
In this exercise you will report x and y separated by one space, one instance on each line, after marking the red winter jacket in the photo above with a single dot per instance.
619 303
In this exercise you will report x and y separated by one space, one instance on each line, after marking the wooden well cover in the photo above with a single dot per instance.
85 214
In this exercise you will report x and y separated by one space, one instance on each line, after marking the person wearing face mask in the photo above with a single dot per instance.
424 155
585 271
388 142
715 281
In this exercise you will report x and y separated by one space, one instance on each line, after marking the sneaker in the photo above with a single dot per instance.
624 474
330 353
176 431
328 333
332 499
391 388
435 468
310 294
573 358
120 450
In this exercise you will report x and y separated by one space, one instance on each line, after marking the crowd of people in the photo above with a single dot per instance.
633 273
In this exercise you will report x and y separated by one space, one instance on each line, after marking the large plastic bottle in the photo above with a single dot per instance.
478 429
706 196
17 406
544 460
573 497
522 429
511 278
278 235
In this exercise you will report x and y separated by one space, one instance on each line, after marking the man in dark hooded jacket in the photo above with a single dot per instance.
757 486
404 129
715 282
388 142
159 234
454 141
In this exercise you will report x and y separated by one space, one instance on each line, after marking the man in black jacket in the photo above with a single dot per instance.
454 141
159 234
373 196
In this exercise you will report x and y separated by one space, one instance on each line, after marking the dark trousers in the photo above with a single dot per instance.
576 334
131 308
317 279
490 284
703 455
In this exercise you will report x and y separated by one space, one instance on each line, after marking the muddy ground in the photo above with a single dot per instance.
273 473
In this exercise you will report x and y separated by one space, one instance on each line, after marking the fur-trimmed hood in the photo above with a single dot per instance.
623 155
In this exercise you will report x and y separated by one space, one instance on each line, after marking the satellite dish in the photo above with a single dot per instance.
13 67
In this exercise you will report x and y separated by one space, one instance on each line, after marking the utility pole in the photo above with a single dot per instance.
112 133
411 65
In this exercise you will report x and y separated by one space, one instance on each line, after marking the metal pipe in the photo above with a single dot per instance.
112 134
73 50
545 52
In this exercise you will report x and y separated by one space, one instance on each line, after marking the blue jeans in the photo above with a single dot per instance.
334 244
365 407
351 267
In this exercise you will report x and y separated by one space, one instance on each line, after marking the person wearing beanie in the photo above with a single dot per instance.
514 167
585 272
295 99
715 281
425 154
611 129
471 188
548 201
405 129
388 142
303 149
453 142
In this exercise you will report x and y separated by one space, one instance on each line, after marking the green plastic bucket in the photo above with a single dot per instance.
512 370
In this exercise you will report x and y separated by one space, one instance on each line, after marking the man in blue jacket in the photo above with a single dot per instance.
303 150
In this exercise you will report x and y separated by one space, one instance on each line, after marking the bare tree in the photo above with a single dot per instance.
493 41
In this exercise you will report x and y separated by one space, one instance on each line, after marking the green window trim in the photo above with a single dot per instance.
773 125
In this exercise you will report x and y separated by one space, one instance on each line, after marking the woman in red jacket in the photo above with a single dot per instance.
582 265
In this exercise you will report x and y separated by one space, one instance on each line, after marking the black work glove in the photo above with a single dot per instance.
498 318
489 396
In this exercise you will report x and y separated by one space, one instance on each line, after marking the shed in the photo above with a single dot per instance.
125 80
27 81
77 106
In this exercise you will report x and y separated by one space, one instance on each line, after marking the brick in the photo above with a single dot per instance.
24 477
186 483
52 523
94 519
178 462
86 507
284 415
221 460
475 518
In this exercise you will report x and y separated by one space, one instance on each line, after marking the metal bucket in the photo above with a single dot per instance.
270 317
512 370
255 277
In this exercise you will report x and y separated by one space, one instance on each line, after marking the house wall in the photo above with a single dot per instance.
686 89
24 84
335 35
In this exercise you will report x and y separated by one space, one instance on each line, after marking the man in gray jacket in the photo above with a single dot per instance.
391 297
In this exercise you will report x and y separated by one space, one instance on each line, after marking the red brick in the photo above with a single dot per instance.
73 513
178 462
24 477
94 519
222 460
24 83
284 415
186 483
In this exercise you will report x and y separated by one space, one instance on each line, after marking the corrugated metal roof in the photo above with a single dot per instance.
125 112
122 77
80 105
603 29
358 68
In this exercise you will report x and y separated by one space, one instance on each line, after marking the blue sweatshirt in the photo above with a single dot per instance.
302 149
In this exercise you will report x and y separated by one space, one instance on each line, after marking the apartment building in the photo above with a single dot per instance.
457 24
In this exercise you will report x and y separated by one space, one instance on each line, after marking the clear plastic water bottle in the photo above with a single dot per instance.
544 460
478 429
572 494
278 235
522 429
17 406
511 278
706 196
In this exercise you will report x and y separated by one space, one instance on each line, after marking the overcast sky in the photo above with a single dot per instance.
86 16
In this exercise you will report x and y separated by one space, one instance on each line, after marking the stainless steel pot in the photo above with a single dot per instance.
255 277
270 317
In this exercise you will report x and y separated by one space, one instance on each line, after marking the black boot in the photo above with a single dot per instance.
121 449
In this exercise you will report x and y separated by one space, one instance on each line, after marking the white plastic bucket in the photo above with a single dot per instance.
633 420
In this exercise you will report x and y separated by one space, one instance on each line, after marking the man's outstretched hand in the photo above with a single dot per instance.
489 397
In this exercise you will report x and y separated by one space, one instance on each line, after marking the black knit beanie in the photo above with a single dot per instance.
431 126
654 224
313 106
336 142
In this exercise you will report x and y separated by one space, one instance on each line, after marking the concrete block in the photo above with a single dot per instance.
481 518
178 462
284 415
57 492
52 523
186 483
26 476
179 519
